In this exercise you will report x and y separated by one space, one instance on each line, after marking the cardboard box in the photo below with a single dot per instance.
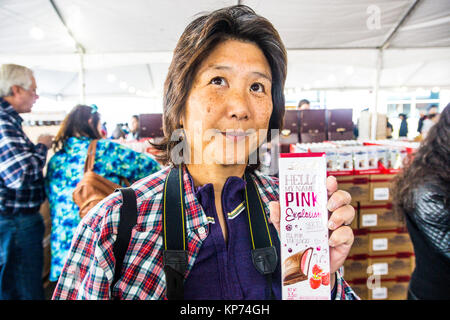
380 187
355 268
360 244
392 266
390 290
151 125
357 186
291 123
340 124
382 243
355 222
312 126
379 216
360 288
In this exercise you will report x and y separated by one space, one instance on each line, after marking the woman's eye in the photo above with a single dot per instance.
257 87
218 81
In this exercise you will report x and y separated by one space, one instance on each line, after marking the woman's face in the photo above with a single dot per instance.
229 105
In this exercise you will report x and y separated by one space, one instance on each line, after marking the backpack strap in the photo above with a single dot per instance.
264 254
128 219
174 230
90 157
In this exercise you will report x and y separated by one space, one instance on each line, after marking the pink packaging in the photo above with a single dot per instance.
305 259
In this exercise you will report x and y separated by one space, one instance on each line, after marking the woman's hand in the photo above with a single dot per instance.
342 215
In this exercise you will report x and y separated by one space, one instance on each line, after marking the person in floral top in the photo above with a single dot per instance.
65 169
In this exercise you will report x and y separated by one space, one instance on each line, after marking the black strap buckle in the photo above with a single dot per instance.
265 259
175 265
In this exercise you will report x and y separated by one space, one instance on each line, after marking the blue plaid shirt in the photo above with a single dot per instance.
21 164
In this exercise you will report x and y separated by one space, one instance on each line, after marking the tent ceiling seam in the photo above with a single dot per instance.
399 24
79 46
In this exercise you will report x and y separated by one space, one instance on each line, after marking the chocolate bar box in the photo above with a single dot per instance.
303 227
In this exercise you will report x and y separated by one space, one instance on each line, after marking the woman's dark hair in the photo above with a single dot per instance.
82 121
198 40
431 164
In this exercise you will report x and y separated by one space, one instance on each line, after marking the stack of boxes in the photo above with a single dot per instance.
381 260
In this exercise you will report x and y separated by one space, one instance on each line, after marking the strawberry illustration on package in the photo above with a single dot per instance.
304 233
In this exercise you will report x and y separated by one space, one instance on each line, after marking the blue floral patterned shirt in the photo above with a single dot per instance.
64 171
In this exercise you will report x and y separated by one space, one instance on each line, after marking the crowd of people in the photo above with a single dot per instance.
23 187
236 81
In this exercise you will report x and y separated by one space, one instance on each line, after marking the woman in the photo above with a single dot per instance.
422 196
66 167
224 86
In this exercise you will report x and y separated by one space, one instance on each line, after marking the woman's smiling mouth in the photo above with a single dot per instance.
235 135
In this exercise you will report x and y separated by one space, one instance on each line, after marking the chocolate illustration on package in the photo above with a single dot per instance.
297 266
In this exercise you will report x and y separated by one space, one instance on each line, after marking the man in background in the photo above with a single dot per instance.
21 189
303 105
403 131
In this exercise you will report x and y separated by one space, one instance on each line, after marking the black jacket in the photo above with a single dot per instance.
403 129
429 228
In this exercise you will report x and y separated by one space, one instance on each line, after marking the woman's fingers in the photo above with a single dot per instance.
338 199
340 242
341 236
331 185
341 216
274 208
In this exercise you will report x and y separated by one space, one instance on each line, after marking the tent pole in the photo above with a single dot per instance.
374 112
80 50
82 78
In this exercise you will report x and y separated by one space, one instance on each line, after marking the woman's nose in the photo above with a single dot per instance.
238 106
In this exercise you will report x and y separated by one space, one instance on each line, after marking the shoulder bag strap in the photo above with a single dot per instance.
90 157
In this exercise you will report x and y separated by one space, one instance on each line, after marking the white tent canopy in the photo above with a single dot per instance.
332 45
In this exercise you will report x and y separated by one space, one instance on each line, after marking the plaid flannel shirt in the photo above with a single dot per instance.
21 165
89 268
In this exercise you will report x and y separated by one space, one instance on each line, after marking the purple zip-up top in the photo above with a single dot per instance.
226 271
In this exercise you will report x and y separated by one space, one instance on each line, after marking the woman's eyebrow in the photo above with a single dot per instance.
224 67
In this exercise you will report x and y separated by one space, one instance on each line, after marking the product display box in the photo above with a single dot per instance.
290 133
355 268
340 124
378 215
150 125
357 186
305 256
389 266
360 243
355 222
380 187
360 288
389 242
312 126
395 289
